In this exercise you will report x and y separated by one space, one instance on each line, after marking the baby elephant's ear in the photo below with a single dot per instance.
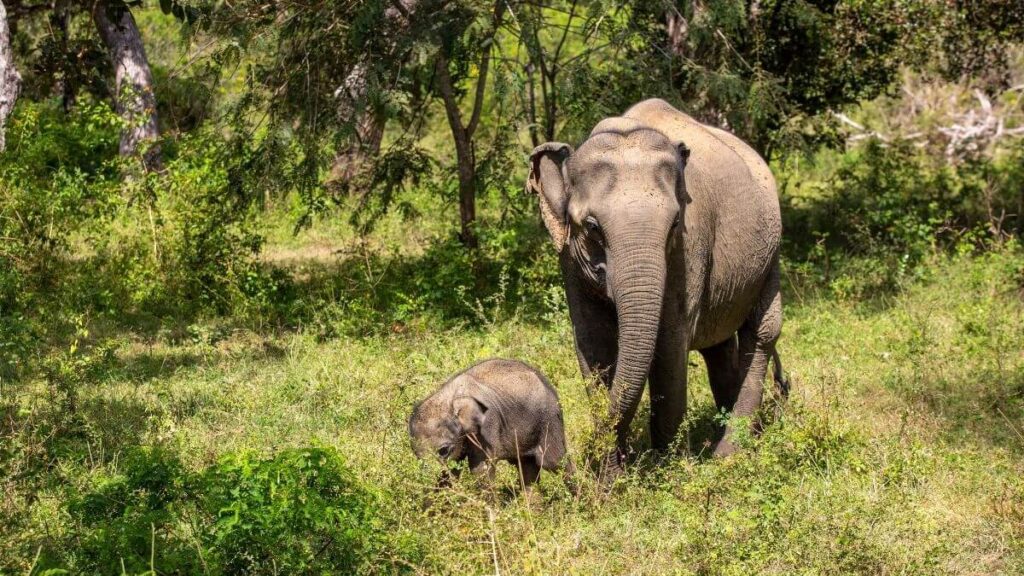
470 404
470 413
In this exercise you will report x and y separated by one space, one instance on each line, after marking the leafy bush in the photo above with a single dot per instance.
128 520
55 176
80 238
299 511
513 272
873 218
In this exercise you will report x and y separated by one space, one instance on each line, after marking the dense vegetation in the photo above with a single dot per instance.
225 280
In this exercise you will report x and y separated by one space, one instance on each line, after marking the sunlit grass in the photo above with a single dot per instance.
900 451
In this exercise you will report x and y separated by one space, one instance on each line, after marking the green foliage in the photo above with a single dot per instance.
208 227
299 511
873 219
768 70
976 38
401 165
128 519
184 102
82 239
511 274
54 179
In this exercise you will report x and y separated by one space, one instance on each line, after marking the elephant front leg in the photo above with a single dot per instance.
529 471
595 329
668 384
482 468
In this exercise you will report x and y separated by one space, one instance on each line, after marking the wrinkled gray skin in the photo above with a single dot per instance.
668 236
495 410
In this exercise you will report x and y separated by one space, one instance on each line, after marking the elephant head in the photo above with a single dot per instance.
444 425
614 210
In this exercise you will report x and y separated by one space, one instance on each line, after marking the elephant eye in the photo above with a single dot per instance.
675 223
591 223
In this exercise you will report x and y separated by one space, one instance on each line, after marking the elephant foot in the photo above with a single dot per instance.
725 448
531 498
613 468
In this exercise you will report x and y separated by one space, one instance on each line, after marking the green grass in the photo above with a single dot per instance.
901 450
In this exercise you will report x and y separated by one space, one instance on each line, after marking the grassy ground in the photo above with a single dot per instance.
900 451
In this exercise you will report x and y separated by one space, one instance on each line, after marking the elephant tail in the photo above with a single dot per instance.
781 382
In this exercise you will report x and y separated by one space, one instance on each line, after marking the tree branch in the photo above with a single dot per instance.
397 5
565 31
444 84
485 61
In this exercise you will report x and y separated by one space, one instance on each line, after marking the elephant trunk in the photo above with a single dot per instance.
639 281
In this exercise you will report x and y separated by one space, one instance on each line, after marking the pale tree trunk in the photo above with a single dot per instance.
10 80
351 160
677 29
136 102
369 129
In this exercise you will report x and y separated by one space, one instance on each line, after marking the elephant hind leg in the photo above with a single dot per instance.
757 339
529 471
722 361
781 382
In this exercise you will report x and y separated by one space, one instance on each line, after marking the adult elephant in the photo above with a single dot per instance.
668 236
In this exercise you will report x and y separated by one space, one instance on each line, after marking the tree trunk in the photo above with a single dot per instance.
467 195
532 105
463 133
677 30
352 160
136 102
369 130
60 18
10 80
369 123
463 156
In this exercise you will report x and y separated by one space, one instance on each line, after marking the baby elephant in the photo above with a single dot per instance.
495 410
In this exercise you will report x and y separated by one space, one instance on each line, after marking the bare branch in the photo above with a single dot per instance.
565 31
485 61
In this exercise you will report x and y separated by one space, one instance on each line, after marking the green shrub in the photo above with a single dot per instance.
868 222
514 272
55 176
81 238
299 511
129 520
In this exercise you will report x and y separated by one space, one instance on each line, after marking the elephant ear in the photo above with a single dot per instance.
547 180
470 405
684 158
684 152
